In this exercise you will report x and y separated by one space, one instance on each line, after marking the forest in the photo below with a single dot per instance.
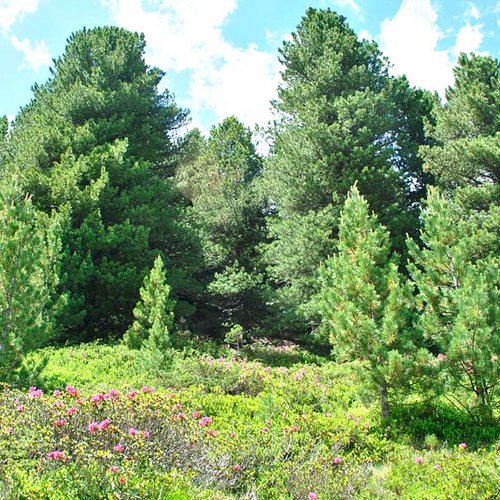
317 321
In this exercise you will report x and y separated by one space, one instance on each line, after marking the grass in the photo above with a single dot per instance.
228 427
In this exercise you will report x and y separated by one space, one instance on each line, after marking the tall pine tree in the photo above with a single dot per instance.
98 142
341 119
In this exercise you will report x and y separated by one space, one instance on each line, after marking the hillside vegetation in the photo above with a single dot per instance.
184 317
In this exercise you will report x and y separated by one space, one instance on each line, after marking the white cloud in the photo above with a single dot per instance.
351 4
410 40
36 53
365 35
243 85
187 36
473 12
12 11
469 39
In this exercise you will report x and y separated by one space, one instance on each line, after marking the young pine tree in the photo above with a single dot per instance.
457 274
365 303
154 317
29 256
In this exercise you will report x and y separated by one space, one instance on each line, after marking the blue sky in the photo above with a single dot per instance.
220 56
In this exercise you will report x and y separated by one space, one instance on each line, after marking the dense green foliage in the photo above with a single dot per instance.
457 273
29 265
218 176
96 142
342 120
468 126
365 302
229 428
369 234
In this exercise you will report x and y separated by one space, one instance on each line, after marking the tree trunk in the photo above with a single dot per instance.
383 401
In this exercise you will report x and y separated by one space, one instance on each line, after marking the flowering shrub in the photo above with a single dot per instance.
230 428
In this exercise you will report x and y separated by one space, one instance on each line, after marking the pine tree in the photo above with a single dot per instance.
457 274
365 303
29 259
154 317
219 179
467 131
98 142
341 119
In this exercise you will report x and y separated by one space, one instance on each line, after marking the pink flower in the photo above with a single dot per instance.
57 404
96 398
112 394
121 480
441 357
104 424
463 446
264 429
212 432
20 408
132 394
312 496
71 390
147 389
60 422
196 414
146 434
437 466
9 430
71 410
418 460
181 416
56 392
133 431
34 392
178 406
337 460
56 455
118 448
79 401
205 421
268 422
92 427
114 468
237 467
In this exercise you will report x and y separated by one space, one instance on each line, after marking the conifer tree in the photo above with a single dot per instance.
29 259
341 119
467 131
227 212
98 142
457 274
365 303
154 317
